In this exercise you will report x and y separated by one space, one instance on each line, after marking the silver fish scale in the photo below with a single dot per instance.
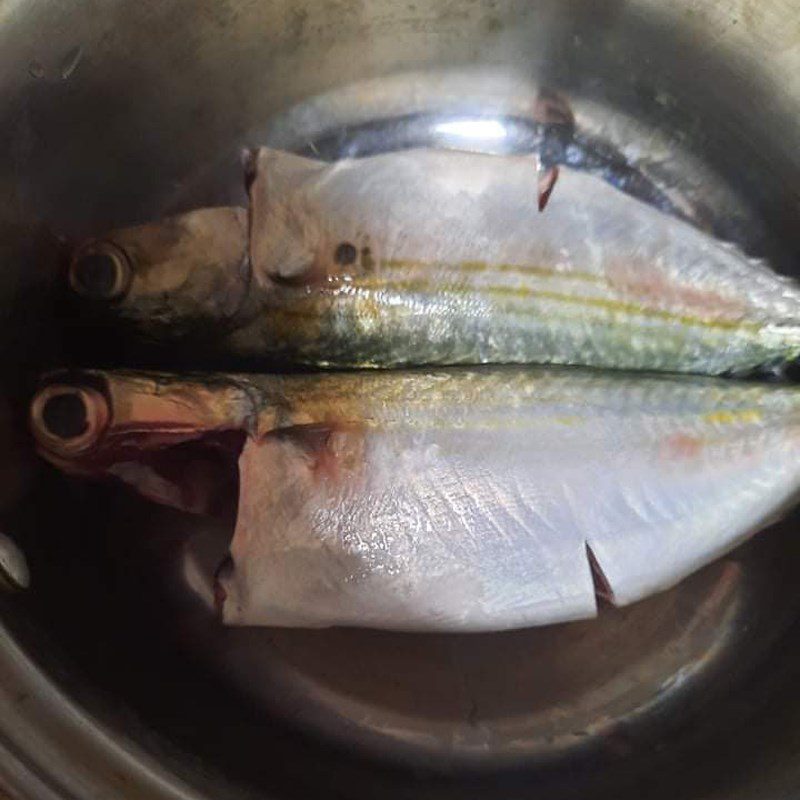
477 492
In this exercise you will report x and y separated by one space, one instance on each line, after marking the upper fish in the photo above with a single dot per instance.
432 256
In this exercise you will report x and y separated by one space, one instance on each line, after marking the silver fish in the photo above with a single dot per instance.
442 257
455 500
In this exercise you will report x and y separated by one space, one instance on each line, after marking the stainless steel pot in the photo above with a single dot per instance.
114 679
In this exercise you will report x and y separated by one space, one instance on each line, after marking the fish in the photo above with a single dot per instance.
461 499
441 257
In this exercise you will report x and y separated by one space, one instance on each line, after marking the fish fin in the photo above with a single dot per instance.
286 234
331 449
546 183
602 588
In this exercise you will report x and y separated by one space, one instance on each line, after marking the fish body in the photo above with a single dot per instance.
458 500
439 257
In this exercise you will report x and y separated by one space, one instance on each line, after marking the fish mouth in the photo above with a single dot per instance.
68 420
100 271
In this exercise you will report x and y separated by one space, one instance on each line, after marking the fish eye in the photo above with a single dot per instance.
64 415
68 419
100 272
345 254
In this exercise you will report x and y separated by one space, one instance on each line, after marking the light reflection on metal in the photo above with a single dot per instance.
473 129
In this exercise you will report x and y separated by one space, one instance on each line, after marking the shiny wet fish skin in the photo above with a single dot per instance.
442 257
465 499
455 265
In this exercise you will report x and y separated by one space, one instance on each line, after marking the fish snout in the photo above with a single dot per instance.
100 271
68 420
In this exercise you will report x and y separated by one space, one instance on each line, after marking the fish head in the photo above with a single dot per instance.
167 279
172 440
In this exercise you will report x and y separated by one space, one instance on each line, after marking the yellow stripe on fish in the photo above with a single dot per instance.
613 306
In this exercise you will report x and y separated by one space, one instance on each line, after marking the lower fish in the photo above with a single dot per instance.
440 257
469 499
